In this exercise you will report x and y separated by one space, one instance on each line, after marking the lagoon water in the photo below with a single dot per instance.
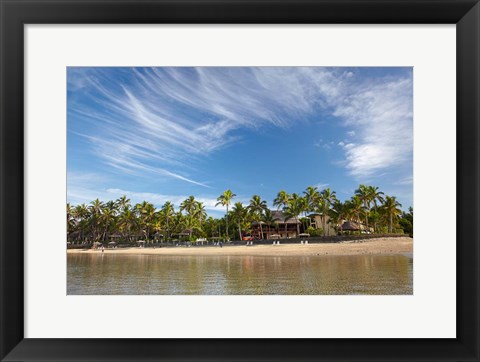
234 275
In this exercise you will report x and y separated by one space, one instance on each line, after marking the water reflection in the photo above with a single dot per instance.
234 275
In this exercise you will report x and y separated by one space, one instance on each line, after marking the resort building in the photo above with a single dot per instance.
317 221
281 228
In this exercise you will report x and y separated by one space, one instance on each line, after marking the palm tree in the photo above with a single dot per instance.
189 205
354 208
191 224
127 221
239 212
71 222
282 201
326 200
390 209
82 213
364 194
178 223
107 218
311 197
256 207
123 203
96 207
210 226
225 199
167 212
200 213
322 208
269 219
337 213
146 214
304 206
294 209
375 195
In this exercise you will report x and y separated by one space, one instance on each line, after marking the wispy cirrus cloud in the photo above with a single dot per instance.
164 120
320 186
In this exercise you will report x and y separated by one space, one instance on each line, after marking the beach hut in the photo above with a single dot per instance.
157 236
184 235
350 226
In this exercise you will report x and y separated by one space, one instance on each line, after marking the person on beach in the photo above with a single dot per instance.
221 244
103 249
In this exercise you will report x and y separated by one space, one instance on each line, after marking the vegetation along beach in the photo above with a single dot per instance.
369 222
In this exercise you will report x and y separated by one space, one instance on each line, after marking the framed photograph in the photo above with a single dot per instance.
226 180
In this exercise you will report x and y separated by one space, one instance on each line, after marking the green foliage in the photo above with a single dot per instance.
124 222
382 230
406 221
315 232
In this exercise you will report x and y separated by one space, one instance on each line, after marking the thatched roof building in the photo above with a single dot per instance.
350 226
284 227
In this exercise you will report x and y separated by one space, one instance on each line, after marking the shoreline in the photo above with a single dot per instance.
380 246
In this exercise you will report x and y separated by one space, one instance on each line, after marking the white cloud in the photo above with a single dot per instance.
382 116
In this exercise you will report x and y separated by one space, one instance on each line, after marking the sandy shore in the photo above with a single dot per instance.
400 245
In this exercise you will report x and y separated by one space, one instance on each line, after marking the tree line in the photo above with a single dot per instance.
124 221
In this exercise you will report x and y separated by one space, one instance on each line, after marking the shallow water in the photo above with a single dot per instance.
234 275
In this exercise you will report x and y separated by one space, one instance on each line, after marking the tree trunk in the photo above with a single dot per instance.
366 215
226 218
239 231
168 230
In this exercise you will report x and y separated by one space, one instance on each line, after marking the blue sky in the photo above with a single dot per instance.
161 134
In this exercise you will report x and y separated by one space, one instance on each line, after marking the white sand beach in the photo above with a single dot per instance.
398 245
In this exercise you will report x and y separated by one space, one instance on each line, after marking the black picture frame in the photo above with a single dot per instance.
16 13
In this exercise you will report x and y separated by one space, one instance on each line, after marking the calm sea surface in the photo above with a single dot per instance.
207 275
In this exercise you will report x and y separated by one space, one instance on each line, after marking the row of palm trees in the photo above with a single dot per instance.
101 221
